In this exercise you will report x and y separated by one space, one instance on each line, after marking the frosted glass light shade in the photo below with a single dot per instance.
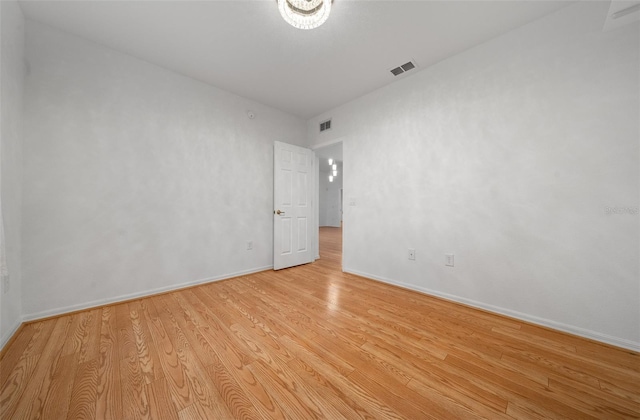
330 161
305 14
335 173
334 167
330 178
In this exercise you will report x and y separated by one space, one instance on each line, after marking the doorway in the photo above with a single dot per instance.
330 201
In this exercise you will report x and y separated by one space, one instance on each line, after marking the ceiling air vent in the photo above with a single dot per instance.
403 68
325 125
408 66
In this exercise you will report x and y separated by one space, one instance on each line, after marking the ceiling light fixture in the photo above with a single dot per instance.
305 14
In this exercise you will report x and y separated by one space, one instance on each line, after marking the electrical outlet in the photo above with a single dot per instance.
249 245
412 254
448 260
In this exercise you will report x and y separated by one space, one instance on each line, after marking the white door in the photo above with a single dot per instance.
293 205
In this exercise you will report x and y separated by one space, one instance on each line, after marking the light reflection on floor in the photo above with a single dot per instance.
333 297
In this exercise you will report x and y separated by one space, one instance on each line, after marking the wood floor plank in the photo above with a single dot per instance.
193 412
74 340
15 384
160 406
367 330
253 321
394 396
307 350
90 335
85 391
556 358
524 409
614 389
271 318
126 340
35 337
308 342
176 378
214 325
135 402
299 402
263 346
522 391
56 404
457 405
201 388
449 382
254 390
322 372
290 313
232 392
224 382
108 391
270 307
147 354
39 387
602 352
15 348
348 407
367 405
189 324
594 401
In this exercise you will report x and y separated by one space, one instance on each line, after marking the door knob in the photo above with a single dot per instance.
278 212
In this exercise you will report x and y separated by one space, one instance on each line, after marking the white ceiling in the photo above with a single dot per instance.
245 47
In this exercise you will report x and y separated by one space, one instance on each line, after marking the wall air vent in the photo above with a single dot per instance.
410 65
325 125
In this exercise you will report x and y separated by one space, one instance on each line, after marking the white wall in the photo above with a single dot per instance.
11 99
137 179
507 155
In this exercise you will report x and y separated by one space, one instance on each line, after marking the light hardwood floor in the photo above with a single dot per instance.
308 342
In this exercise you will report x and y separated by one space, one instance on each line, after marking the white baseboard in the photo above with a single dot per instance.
582 332
619 342
7 336
142 294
